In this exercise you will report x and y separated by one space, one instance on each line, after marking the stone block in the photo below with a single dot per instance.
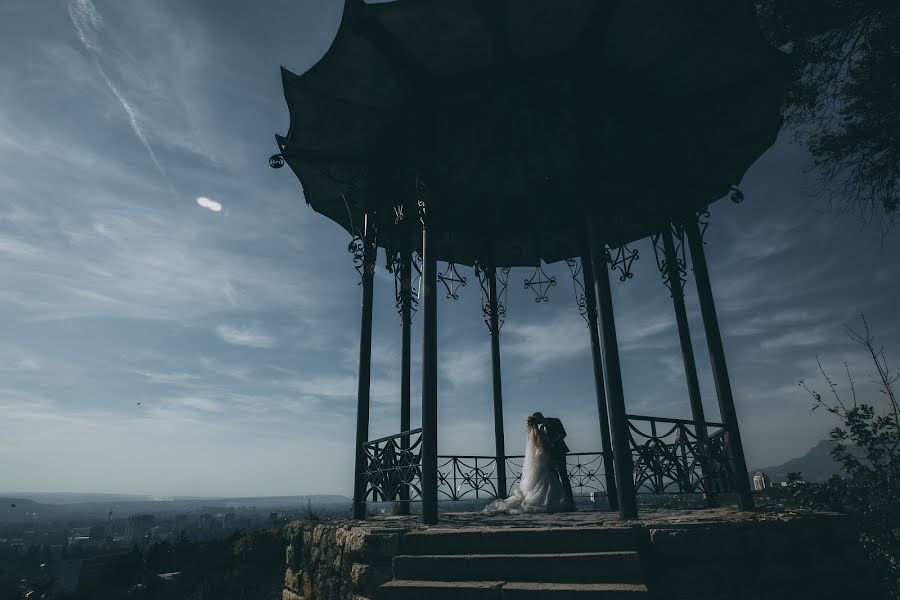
381 546
289 595
292 557
293 580
437 541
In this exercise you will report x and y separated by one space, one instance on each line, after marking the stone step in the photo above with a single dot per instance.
400 589
520 541
573 591
596 567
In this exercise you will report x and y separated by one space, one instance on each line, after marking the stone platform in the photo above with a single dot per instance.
672 554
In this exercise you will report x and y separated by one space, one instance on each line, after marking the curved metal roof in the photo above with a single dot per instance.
522 115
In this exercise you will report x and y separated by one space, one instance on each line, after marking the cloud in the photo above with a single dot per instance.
168 378
209 204
195 403
250 336
13 246
563 336
89 24
468 365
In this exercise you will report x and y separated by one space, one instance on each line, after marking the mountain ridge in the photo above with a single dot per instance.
816 465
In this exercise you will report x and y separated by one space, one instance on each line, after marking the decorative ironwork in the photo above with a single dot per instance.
575 268
625 256
276 161
416 289
357 248
475 477
396 267
671 459
737 196
662 262
391 463
540 283
421 193
398 214
462 477
585 470
452 281
703 222
501 276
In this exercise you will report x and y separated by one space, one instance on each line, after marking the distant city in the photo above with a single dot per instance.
70 538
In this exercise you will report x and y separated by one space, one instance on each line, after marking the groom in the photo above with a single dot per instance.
553 431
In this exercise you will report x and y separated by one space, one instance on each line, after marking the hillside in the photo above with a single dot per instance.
815 465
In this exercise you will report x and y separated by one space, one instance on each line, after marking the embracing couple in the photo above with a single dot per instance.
544 486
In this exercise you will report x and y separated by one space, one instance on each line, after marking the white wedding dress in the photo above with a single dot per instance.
539 488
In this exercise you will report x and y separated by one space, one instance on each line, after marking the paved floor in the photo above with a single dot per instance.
648 517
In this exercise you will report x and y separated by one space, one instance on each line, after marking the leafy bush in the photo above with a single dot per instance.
868 449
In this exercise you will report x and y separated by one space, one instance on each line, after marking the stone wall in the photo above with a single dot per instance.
338 560
752 557
816 557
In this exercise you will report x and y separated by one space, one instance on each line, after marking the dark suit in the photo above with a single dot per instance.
554 432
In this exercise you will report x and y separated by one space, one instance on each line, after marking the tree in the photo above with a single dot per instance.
868 448
795 477
845 97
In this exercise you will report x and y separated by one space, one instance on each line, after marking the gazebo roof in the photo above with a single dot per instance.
522 115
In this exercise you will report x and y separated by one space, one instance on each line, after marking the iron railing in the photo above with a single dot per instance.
669 458
392 463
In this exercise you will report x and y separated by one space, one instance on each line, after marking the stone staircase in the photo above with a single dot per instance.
578 563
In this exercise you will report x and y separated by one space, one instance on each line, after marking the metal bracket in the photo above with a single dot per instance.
540 283
622 262
501 275
662 262
575 268
452 281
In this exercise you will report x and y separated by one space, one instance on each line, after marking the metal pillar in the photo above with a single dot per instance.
405 358
365 371
720 371
590 298
429 379
687 349
684 333
615 396
494 320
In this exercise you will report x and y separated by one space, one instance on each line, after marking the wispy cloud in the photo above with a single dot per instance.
195 403
17 247
250 336
466 365
562 336
89 25
167 378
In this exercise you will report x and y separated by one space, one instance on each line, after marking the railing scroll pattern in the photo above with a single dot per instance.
392 462
668 455
670 458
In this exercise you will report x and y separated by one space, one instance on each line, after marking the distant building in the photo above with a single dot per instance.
761 481
67 572
137 528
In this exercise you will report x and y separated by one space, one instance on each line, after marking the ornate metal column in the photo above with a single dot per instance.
429 373
494 325
405 301
720 370
615 396
364 258
590 306
673 268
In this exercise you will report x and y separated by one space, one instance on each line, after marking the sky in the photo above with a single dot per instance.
174 320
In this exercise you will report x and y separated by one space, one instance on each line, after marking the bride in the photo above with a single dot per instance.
540 489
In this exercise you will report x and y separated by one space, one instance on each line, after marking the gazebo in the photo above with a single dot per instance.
494 134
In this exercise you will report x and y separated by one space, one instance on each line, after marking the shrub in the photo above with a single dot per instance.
868 449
